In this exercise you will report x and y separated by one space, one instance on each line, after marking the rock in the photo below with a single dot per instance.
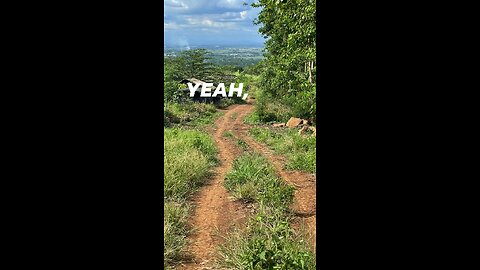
294 122
279 125
302 130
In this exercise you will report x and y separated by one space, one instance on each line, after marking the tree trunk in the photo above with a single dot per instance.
310 71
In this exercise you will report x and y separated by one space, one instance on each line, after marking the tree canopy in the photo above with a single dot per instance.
289 65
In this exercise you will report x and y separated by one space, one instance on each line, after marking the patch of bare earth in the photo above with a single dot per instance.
215 213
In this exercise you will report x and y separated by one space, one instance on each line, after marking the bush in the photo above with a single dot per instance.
269 109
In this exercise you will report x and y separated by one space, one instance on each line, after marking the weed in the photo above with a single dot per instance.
242 144
227 134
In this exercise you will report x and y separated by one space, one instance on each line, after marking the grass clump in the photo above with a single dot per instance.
299 150
227 134
268 241
174 230
226 102
188 158
253 179
242 144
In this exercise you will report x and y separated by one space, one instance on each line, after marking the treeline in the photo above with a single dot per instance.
287 84
238 62
196 63
192 64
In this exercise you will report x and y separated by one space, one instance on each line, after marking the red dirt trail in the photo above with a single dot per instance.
215 212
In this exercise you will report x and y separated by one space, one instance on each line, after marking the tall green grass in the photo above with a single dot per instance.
268 241
189 114
299 150
188 157
253 179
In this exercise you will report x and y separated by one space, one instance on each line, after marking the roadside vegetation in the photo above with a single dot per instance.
189 114
299 150
188 157
267 241
287 80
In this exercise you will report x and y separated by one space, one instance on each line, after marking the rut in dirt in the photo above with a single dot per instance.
304 206
215 213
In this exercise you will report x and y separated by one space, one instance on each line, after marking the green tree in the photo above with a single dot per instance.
288 73
194 64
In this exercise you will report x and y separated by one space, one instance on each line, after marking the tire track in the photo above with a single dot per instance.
214 212
304 206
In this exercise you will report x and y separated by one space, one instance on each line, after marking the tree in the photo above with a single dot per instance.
289 65
193 64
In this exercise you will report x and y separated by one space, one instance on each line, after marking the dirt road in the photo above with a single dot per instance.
216 213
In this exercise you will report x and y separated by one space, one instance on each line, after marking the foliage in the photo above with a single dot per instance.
190 64
196 64
189 114
288 70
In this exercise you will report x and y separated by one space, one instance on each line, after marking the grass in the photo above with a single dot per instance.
189 114
225 102
267 241
299 150
227 134
174 230
269 110
242 144
188 157
253 179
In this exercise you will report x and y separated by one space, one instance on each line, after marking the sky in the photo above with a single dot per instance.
210 22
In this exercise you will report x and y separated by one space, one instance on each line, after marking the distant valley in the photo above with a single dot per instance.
220 55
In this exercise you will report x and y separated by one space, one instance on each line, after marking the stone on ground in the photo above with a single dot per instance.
294 122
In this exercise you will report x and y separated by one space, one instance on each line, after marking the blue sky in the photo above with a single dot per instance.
210 22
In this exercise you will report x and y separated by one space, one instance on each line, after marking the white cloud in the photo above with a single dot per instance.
213 19
172 26
230 3
206 21
174 4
